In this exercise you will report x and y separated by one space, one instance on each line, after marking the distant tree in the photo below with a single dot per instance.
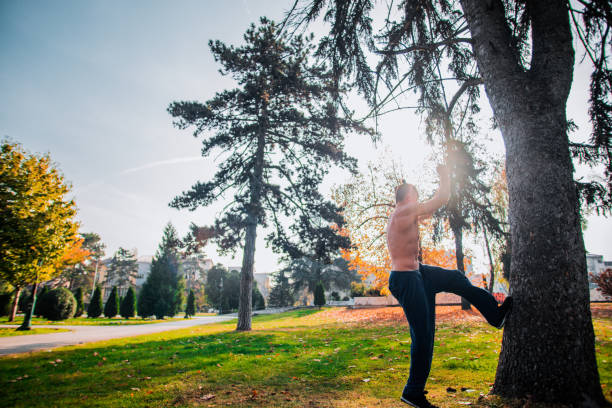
190 310
82 267
127 307
259 302
604 282
281 294
162 293
122 269
38 225
95 304
214 285
78 295
306 273
281 131
60 304
112 304
319 295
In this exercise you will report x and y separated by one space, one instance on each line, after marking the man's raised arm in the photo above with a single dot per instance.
427 208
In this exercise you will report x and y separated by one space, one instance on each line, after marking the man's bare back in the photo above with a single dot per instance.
402 227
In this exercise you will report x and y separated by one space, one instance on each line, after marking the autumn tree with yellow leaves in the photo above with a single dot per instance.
38 233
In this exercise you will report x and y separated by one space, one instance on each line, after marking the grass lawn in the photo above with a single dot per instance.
11 331
304 358
86 321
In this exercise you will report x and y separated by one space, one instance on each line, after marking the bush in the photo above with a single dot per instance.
357 289
78 295
40 304
346 298
319 295
335 296
604 282
25 298
6 301
58 304
112 304
95 305
127 308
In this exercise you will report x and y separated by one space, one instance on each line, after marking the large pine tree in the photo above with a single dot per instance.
162 292
280 130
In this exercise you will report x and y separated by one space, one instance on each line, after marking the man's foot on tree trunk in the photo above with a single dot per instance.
505 310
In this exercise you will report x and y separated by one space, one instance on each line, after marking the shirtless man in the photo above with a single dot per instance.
415 285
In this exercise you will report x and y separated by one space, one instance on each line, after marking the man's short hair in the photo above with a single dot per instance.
402 190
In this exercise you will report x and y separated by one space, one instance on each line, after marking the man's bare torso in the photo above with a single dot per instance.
403 238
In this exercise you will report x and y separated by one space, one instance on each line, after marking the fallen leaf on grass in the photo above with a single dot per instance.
135 389
366 380
207 397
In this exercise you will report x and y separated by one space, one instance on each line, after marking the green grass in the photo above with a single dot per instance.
10 331
292 359
86 321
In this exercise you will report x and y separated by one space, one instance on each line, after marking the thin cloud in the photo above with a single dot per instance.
161 163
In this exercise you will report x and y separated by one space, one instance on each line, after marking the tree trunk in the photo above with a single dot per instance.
548 349
27 320
15 304
491 266
246 278
245 306
458 233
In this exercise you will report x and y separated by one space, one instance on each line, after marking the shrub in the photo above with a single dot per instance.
78 295
112 304
6 300
319 295
127 308
604 282
357 289
25 298
335 296
40 303
95 305
346 298
59 304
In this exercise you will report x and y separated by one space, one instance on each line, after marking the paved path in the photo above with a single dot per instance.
87 334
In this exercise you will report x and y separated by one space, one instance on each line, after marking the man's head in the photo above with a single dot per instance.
406 193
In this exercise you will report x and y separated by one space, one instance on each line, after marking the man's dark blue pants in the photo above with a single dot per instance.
416 293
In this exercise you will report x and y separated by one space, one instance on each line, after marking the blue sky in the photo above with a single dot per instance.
90 81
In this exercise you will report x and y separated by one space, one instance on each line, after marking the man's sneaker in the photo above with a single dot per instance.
505 309
417 400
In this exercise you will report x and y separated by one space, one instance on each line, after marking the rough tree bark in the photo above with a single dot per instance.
548 348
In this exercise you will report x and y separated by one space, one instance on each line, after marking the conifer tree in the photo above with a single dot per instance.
123 269
259 302
127 308
95 304
190 310
281 294
281 131
319 295
162 293
112 304
78 295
